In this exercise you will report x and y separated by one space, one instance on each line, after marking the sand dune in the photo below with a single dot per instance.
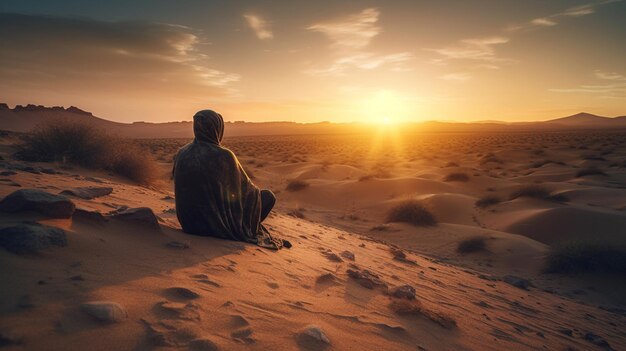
344 282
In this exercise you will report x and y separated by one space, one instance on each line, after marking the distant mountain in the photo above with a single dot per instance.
584 119
26 118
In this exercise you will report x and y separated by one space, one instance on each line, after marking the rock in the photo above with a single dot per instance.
400 256
597 340
347 255
315 333
141 215
287 244
517 282
331 256
88 216
7 173
183 293
55 206
28 237
177 245
366 278
88 193
50 171
404 292
105 311
202 345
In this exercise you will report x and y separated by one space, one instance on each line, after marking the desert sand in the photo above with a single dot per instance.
351 280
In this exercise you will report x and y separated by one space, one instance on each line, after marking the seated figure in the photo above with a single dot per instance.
214 195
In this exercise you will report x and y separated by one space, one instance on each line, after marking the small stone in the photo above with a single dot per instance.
366 278
347 255
177 245
105 311
55 206
315 333
88 216
184 293
29 237
517 282
88 193
202 345
141 215
596 340
404 292
567 332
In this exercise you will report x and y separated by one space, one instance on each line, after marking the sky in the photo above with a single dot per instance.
311 61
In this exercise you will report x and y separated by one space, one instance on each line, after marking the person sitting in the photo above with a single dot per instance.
214 195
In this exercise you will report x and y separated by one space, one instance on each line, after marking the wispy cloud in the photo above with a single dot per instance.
349 38
577 11
476 49
613 86
259 25
459 77
97 55
353 32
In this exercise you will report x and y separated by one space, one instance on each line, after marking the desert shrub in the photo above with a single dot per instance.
586 257
487 201
411 211
536 192
470 245
296 185
457 177
89 147
589 172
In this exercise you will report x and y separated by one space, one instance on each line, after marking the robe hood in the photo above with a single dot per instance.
208 126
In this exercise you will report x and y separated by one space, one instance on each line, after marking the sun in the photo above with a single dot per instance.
384 107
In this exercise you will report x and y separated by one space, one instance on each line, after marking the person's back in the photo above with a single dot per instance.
214 196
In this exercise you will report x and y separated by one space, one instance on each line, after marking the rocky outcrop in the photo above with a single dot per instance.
30 237
55 206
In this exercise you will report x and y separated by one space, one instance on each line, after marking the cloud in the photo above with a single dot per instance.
459 77
476 49
353 32
543 22
363 61
609 75
614 89
350 37
83 56
577 11
259 26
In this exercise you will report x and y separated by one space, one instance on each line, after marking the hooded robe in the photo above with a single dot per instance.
214 195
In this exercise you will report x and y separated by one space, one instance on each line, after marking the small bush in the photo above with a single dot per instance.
83 145
587 257
411 211
589 172
296 185
457 177
487 201
537 192
470 245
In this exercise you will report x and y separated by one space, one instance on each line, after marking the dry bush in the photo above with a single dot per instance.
474 244
585 257
89 147
415 308
536 192
296 185
457 177
589 172
487 201
411 211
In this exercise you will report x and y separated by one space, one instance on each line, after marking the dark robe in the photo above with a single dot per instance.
214 195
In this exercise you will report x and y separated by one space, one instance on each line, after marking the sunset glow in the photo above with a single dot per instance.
372 62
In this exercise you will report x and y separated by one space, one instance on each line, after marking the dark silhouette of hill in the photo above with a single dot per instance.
26 118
